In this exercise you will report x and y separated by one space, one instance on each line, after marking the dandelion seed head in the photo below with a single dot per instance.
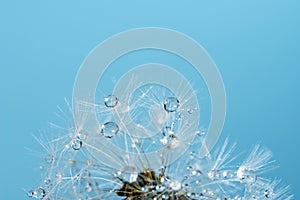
143 141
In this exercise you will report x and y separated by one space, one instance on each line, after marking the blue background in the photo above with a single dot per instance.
254 43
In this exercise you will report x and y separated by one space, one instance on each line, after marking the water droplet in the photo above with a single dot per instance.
133 145
192 155
40 193
76 144
168 139
47 183
196 173
189 168
225 174
171 104
246 175
88 187
111 101
109 129
175 185
214 174
201 132
269 193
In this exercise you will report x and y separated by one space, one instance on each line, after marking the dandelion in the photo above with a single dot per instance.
146 144
84 165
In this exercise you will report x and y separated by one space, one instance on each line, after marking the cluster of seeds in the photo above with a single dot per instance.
77 167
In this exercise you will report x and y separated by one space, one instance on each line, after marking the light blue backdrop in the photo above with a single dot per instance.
254 43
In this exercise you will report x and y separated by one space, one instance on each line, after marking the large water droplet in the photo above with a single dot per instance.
109 129
40 193
76 144
111 101
171 104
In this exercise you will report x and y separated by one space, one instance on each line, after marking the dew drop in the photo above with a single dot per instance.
47 183
88 187
201 132
171 104
214 174
269 193
170 139
192 155
225 174
246 175
196 173
76 144
133 145
111 101
40 193
109 129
